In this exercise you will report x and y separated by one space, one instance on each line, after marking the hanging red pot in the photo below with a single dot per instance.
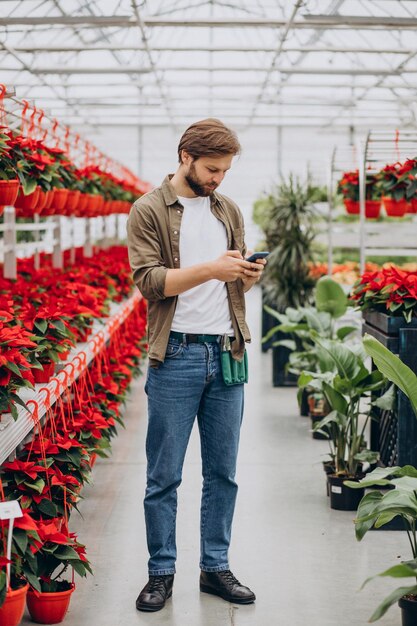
8 192
25 205
412 205
11 611
82 204
106 210
72 202
59 201
43 375
49 607
395 208
48 208
372 209
351 206
42 200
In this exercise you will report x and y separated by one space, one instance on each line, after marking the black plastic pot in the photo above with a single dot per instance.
329 468
304 403
408 611
280 358
343 498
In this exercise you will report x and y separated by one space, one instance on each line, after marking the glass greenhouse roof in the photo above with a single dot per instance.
250 62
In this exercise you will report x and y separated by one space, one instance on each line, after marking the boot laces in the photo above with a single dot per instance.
229 578
156 583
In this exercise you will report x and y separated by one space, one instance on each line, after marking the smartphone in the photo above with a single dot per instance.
256 255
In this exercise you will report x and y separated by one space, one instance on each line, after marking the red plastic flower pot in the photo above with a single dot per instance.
11 611
412 205
106 210
72 202
42 200
43 375
59 201
48 208
49 608
351 206
82 204
372 209
25 205
8 192
395 208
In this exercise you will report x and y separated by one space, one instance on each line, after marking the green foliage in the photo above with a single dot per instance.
287 217
393 368
330 297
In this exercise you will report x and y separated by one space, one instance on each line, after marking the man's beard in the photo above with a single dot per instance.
195 184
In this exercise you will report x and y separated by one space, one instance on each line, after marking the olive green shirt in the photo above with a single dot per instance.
153 236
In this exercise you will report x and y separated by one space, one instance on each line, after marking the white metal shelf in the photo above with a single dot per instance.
13 433
370 238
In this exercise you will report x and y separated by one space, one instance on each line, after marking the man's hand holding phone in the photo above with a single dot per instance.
254 273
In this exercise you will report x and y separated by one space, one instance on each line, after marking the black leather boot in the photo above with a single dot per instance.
225 585
155 593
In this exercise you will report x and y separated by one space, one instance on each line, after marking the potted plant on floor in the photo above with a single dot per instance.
58 550
347 389
304 323
377 509
13 590
289 226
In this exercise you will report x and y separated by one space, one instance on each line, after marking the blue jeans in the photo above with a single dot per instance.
187 385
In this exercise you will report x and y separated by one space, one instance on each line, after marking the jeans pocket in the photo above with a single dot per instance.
174 348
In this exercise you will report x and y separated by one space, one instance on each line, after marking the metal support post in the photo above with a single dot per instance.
71 229
57 257
362 153
10 263
330 199
37 240
88 245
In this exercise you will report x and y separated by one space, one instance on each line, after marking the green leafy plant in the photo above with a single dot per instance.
347 388
288 217
377 509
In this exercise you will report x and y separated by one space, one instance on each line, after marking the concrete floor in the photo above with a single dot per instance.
301 558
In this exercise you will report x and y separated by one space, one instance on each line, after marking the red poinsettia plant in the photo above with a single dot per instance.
55 552
25 540
397 181
348 186
390 290
16 344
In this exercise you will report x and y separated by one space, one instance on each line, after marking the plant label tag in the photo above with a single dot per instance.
10 509
336 489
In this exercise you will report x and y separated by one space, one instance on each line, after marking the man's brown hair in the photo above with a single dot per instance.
208 137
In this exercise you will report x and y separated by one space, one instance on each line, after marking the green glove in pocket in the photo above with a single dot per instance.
234 372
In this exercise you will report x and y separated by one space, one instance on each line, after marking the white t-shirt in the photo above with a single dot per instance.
203 309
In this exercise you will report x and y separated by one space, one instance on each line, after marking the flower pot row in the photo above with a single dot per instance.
393 208
57 202
44 608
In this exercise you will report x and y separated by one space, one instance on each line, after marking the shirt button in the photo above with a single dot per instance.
176 259
178 211
175 232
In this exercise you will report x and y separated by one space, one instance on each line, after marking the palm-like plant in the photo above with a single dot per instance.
288 218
